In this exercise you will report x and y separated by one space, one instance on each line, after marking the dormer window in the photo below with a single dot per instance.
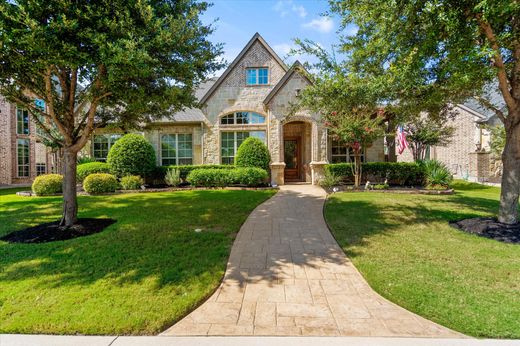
257 76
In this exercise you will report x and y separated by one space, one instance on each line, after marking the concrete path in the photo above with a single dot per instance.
54 340
287 276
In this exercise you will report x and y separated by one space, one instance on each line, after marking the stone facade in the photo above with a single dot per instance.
226 95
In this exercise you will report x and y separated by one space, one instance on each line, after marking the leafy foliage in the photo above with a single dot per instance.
253 153
210 177
173 177
47 184
85 169
85 159
438 175
423 132
330 179
396 173
498 140
131 182
132 154
160 172
100 183
249 176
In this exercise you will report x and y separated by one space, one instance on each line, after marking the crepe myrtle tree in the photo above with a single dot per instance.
435 52
99 62
424 132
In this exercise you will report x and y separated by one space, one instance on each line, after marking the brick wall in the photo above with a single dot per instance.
6 151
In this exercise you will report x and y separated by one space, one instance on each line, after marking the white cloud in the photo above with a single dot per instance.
299 10
321 24
284 7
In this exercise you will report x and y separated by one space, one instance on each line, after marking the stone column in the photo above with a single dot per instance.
317 163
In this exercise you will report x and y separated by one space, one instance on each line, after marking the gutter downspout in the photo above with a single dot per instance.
202 141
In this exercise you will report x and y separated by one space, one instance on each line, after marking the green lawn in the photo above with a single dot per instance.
406 250
138 276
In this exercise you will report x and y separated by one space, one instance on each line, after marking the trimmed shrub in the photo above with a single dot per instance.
438 175
249 176
131 182
85 169
47 184
253 153
132 154
173 177
100 183
211 177
396 173
159 174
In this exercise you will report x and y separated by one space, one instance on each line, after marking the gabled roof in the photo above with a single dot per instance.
297 67
235 62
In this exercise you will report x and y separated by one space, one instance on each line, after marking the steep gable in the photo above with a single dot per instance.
257 53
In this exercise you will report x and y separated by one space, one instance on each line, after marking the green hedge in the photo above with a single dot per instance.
85 169
100 183
397 173
249 176
47 184
253 153
160 172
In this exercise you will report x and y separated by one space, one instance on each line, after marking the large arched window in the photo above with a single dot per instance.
242 118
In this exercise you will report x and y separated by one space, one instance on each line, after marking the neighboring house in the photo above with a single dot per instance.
468 154
23 155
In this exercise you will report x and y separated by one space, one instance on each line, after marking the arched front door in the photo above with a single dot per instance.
292 158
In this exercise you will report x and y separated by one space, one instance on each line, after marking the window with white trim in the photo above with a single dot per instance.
101 145
22 121
177 149
242 118
23 159
41 168
257 76
231 140
342 153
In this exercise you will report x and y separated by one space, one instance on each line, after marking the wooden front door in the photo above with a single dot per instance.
292 159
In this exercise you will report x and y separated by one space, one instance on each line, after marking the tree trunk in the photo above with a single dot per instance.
357 168
510 191
70 203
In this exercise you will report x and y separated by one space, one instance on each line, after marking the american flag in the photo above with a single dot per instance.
402 143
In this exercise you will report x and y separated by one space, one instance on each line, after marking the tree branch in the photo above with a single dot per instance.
50 105
492 107
498 61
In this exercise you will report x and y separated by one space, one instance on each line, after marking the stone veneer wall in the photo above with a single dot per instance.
234 95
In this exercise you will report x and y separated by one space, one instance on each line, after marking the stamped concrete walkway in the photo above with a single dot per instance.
286 275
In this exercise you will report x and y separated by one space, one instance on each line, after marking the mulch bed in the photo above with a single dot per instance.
393 189
52 231
490 228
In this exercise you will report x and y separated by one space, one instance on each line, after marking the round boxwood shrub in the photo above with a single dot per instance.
253 153
100 183
250 176
85 169
132 154
131 182
48 184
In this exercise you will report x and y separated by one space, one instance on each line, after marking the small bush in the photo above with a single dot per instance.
173 177
250 176
85 159
48 184
131 182
381 187
330 180
253 153
210 177
85 169
438 175
100 183
132 154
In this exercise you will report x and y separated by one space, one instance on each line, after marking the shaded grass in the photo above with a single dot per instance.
138 276
406 250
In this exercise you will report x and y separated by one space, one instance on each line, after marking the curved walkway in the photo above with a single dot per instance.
286 275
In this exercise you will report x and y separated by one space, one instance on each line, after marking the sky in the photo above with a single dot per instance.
279 22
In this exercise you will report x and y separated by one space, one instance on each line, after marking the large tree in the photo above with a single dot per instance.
435 52
98 62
